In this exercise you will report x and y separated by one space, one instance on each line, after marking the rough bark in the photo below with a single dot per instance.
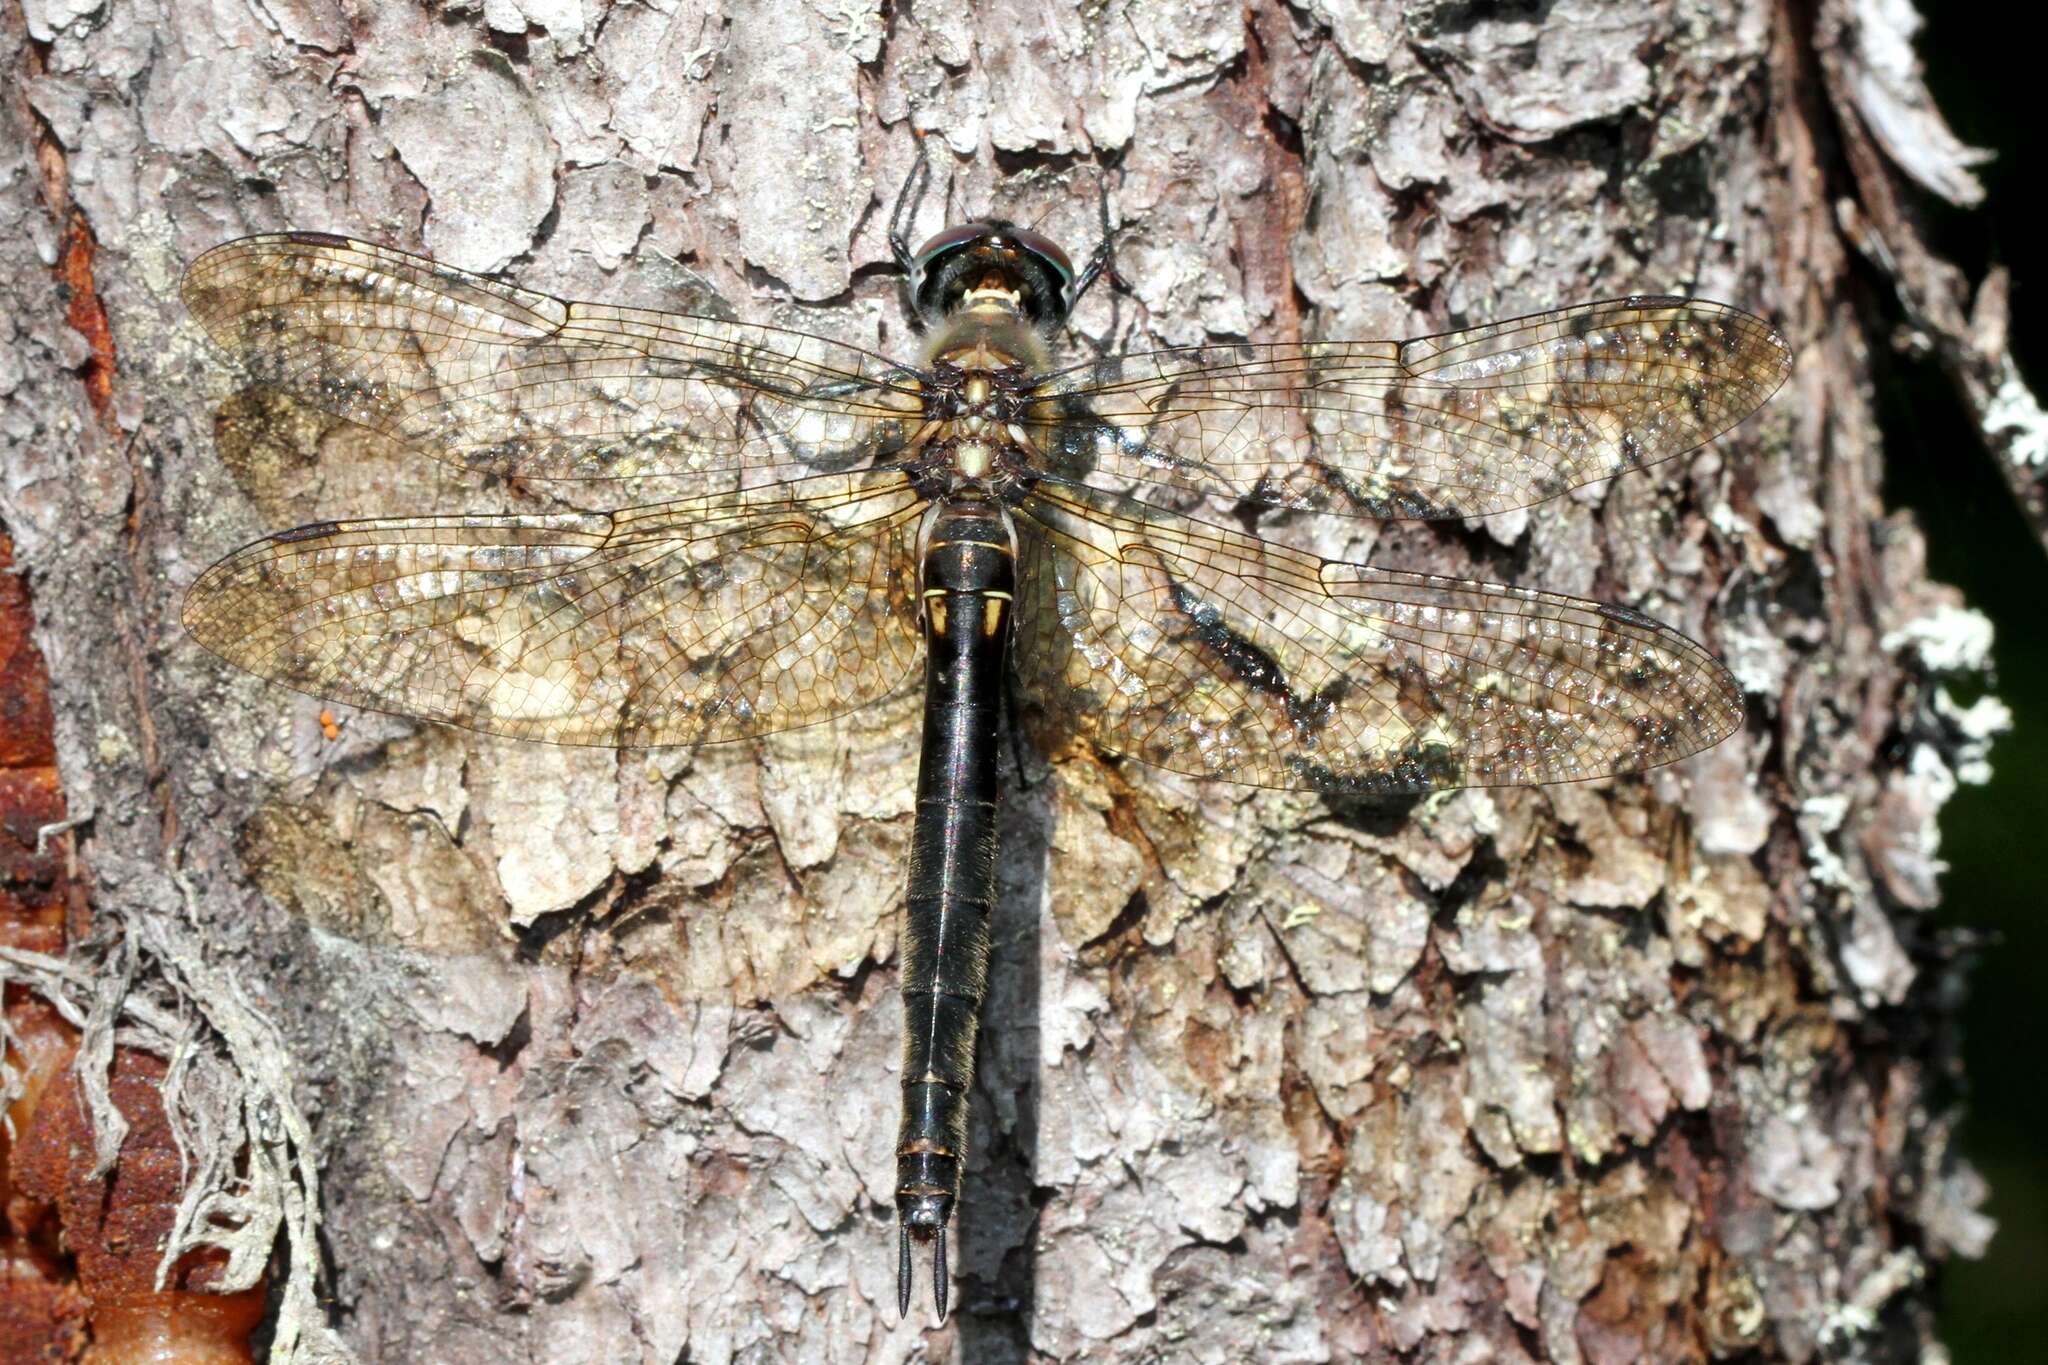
600 1049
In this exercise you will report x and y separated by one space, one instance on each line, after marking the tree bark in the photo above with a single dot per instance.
600 1049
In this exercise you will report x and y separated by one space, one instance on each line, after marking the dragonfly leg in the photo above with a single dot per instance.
1101 262
904 211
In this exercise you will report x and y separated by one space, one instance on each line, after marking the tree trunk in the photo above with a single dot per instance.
600 1049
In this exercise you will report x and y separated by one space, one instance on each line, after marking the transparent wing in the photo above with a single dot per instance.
1210 652
1466 424
514 383
714 618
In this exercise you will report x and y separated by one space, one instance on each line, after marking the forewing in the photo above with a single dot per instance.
1466 424
714 618
1210 652
513 383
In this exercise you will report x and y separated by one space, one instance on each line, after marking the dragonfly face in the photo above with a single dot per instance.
747 529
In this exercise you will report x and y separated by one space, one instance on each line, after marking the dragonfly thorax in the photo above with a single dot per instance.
983 368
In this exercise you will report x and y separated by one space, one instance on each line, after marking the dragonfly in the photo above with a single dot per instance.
796 525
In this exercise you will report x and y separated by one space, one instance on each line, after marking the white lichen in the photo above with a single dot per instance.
1975 727
2014 422
1949 639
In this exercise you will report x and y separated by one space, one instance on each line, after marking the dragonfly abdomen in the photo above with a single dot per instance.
968 578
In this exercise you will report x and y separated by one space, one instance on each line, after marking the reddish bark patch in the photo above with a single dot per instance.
41 1316
77 1255
205 1329
42 1311
32 883
25 722
86 314
117 1226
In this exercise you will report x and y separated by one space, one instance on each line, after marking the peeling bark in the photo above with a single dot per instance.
601 1049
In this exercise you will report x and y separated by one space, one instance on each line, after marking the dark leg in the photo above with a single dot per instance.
904 212
1102 260
1101 264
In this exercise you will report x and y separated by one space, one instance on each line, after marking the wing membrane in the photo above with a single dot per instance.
1465 424
715 618
514 383
1210 652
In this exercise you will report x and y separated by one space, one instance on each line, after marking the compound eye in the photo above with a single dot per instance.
1047 250
949 240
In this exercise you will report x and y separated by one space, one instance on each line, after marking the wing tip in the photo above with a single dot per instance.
214 612
1730 711
1781 359
203 283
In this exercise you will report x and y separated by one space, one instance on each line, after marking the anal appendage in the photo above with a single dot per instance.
906 1273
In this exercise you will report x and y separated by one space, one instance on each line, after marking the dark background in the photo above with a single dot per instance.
1990 87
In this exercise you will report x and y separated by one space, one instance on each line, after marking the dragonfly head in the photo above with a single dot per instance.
992 264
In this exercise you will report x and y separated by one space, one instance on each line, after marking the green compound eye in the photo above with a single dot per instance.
944 242
1046 250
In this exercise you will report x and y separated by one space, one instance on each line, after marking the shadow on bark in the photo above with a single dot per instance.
999 1208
